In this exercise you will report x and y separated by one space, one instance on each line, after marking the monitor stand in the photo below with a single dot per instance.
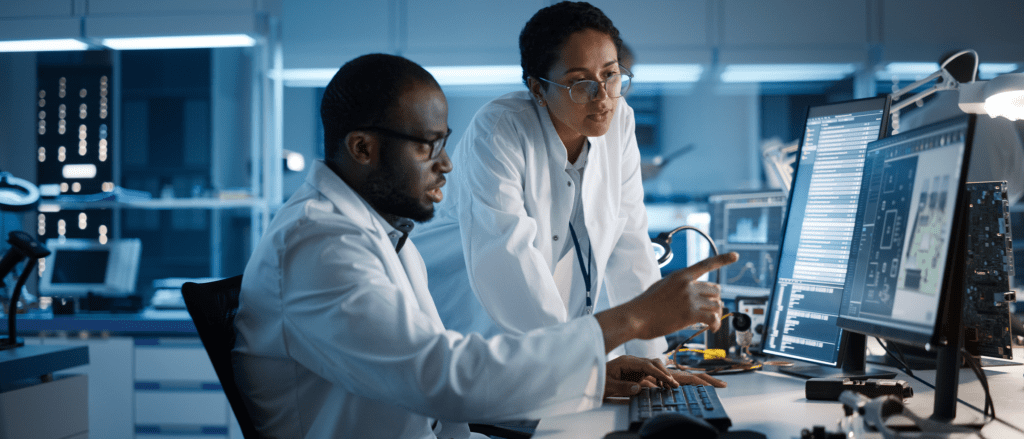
853 363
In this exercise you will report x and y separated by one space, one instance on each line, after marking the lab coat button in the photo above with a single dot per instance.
569 183
555 238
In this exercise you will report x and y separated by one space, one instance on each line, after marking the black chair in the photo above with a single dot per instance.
213 307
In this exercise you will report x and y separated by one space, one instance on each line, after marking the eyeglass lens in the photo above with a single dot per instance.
586 91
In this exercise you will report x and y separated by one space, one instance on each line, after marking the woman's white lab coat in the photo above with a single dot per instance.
510 195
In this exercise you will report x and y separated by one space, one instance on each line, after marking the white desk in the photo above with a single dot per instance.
774 404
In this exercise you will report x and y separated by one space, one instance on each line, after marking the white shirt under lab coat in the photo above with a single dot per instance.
509 200
338 336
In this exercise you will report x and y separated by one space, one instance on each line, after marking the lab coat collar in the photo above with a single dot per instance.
560 155
342 195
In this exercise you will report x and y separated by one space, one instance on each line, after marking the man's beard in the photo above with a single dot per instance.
385 190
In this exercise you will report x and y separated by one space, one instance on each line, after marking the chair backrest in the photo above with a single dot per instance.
213 307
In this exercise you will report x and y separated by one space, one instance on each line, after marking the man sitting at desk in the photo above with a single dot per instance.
337 333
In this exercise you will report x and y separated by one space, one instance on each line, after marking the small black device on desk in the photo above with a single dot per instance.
696 400
829 389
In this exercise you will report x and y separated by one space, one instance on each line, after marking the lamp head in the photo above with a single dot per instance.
663 248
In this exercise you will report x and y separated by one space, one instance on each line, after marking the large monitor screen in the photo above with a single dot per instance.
806 294
77 267
901 258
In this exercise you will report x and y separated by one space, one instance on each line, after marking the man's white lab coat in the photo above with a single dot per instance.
338 335
510 195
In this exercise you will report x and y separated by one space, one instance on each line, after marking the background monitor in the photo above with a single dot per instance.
817 235
749 224
77 267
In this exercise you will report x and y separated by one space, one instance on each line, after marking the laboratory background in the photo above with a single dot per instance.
152 142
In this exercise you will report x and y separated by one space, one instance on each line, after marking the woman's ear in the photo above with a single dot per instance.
536 91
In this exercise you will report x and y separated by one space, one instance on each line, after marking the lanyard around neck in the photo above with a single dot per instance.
584 269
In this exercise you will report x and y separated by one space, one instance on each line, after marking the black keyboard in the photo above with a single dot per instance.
697 400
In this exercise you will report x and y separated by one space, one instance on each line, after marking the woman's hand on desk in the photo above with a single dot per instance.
624 375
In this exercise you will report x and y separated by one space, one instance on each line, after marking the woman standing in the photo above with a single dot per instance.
546 196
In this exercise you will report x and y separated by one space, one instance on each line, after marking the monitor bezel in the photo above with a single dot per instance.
816 111
121 271
951 290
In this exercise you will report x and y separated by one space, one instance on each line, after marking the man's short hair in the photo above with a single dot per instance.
542 39
363 94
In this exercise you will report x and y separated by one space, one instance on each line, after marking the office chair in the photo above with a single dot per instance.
213 306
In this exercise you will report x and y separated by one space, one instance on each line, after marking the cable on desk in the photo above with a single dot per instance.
988 397
973 363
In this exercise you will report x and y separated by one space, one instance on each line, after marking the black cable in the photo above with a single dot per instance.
983 379
906 369
988 396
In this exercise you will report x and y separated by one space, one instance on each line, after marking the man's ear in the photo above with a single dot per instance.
361 147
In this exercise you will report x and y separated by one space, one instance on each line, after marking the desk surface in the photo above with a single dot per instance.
774 404
34 361
147 322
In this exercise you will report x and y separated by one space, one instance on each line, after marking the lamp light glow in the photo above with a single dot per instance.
1004 96
59 44
179 42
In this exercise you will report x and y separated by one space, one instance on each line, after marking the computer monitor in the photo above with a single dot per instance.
905 281
749 224
817 234
77 267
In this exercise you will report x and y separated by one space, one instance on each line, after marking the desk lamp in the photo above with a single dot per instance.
663 246
17 195
1003 96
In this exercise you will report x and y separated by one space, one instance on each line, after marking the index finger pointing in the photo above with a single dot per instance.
697 270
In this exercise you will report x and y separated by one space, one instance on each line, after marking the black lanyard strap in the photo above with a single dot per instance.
584 269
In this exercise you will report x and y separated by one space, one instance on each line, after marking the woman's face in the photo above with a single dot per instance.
587 54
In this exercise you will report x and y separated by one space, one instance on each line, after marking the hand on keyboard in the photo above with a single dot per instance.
684 378
626 374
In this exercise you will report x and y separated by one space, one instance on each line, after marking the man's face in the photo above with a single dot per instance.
406 182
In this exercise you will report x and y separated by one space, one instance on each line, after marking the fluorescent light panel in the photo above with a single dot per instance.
786 72
988 71
87 170
499 75
60 44
913 71
477 75
667 73
180 42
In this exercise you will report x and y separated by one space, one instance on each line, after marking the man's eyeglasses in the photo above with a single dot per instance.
582 92
436 146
